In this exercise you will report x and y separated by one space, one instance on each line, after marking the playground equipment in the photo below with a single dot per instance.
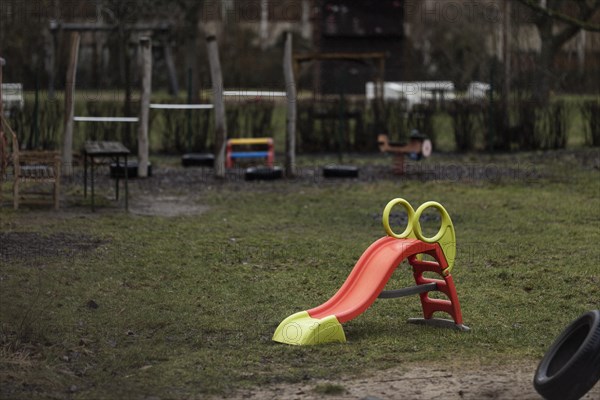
118 170
263 173
571 366
233 153
189 159
27 166
340 171
418 147
30 167
367 280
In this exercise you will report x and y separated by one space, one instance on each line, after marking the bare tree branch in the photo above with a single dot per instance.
586 14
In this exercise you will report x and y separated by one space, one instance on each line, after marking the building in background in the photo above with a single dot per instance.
447 40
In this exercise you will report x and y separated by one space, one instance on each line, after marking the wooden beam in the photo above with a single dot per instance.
339 56
219 103
67 153
93 27
143 146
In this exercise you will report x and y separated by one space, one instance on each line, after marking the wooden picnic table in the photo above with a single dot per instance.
103 149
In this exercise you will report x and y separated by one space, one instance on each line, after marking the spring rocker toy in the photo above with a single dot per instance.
417 148
374 268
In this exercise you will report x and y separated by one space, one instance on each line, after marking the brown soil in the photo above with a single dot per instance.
418 382
27 246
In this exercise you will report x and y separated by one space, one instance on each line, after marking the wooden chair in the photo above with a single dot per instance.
29 167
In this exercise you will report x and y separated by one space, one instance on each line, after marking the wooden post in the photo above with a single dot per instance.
264 23
67 153
290 87
305 21
3 141
379 95
2 64
143 146
171 70
219 105
507 58
50 44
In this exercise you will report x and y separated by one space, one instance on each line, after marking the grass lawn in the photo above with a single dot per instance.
123 306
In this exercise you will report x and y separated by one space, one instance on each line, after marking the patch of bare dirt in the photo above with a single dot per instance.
27 246
417 382
166 205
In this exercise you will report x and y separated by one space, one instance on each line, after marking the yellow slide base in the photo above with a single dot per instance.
301 329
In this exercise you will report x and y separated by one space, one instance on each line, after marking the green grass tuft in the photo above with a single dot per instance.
329 389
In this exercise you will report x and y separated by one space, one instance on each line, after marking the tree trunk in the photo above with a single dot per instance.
544 73
552 41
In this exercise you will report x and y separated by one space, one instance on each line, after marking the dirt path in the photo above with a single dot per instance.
509 382
166 205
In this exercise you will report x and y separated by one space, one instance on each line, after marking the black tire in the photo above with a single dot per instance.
264 173
118 171
340 171
198 160
571 366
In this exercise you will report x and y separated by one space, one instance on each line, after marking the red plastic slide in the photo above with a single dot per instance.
369 276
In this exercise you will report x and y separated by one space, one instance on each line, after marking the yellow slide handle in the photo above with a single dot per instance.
445 237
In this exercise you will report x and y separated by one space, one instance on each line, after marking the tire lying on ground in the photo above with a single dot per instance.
263 173
571 366
118 171
340 171
198 160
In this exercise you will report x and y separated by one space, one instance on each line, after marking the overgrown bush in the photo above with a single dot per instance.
350 126
399 120
420 117
590 111
332 126
467 120
125 133
326 126
496 128
44 134
541 126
